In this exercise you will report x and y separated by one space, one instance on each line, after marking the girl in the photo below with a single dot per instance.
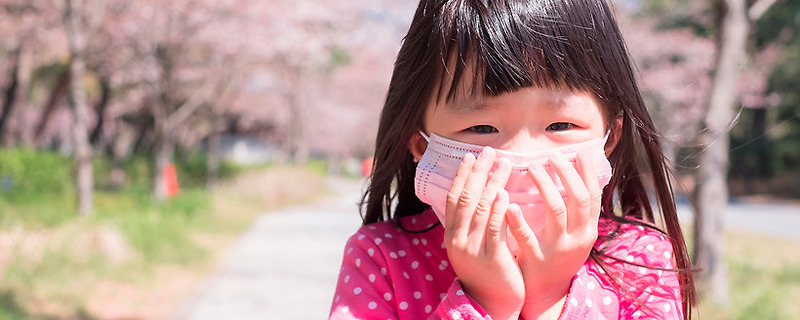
492 193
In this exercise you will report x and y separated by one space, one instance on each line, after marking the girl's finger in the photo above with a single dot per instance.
485 204
452 219
579 199
496 226
521 231
467 200
589 174
555 217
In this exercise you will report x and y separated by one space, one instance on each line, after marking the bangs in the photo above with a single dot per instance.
490 48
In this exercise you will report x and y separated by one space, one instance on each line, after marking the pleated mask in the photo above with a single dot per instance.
438 166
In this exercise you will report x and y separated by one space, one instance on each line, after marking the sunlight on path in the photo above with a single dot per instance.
285 266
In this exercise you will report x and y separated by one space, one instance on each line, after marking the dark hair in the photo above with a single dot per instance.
492 47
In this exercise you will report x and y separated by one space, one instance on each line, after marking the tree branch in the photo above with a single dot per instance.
759 8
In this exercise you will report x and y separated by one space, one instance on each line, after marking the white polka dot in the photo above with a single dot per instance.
387 296
667 254
428 309
403 305
442 296
455 315
388 235
371 252
401 253
345 309
413 220
393 255
640 228
349 250
424 241
371 278
428 277
405 275
629 258
383 271
361 236
415 241
590 286
588 303
443 246
378 240
642 270
573 302
650 247
337 298
607 300
346 279
460 292
417 294
372 305
428 253
358 262
372 227
667 307
414 264
357 290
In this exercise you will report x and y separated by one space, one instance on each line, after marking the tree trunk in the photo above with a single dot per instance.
9 98
76 39
214 157
102 105
58 91
711 195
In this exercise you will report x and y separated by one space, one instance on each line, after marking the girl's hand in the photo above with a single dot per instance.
550 259
475 236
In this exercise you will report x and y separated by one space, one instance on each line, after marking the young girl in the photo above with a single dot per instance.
492 193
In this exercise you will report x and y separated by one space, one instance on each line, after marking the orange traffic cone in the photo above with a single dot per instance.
171 180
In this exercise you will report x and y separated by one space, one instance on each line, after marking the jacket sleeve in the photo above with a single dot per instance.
654 285
639 277
366 290
458 305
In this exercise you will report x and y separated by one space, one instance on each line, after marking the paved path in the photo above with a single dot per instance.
770 219
285 266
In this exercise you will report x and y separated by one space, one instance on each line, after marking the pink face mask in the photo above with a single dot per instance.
438 166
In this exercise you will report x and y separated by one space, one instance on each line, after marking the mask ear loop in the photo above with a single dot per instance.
428 139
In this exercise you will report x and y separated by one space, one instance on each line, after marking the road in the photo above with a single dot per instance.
285 266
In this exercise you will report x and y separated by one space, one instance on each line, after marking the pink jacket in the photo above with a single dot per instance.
388 273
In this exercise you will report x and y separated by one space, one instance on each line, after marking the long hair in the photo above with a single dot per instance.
492 47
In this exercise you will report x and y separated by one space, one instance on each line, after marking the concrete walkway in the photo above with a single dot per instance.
285 266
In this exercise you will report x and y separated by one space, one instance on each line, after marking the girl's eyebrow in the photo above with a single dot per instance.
468 105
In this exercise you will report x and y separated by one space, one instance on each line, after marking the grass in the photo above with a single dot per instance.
763 278
134 258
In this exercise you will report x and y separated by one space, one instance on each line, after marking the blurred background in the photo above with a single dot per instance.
140 138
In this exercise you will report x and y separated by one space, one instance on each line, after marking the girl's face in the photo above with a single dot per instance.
527 120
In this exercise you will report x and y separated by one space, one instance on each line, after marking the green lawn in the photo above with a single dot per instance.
134 258
764 279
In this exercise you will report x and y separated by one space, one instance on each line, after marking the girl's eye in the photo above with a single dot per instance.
482 129
560 126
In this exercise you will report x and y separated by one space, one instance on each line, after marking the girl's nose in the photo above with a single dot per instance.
524 143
